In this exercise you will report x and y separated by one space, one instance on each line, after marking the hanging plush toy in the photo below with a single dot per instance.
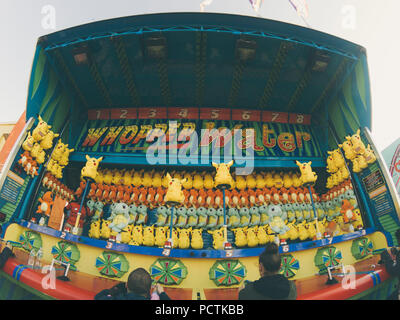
47 141
358 145
41 130
90 169
28 143
45 206
64 159
369 155
347 147
307 175
174 192
223 176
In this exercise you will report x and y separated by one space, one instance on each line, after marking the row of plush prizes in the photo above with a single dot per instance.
36 146
355 151
127 221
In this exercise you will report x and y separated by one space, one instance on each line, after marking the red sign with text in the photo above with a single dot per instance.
215 114
275 116
183 113
246 115
194 113
124 113
99 114
153 113
298 118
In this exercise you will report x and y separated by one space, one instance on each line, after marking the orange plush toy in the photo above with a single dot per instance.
244 199
293 195
45 205
267 195
112 196
252 197
159 197
235 198
79 191
99 192
193 197
143 196
284 195
276 197
127 194
260 198
210 198
92 192
120 193
151 193
106 193
219 199
201 200
347 211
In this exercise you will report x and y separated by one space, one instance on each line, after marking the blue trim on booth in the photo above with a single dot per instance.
135 159
190 253
364 200
208 22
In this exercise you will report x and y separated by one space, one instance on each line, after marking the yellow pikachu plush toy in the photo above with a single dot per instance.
41 130
307 175
90 169
223 176
174 192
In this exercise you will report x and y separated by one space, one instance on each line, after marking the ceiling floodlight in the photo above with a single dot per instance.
156 47
320 62
80 55
245 49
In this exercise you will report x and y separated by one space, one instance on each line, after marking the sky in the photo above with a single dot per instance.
370 23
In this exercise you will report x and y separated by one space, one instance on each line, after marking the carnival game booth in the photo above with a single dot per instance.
117 166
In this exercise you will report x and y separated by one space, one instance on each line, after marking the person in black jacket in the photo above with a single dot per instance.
138 287
271 285
5 254
391 260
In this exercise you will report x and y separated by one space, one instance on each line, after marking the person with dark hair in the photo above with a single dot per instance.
390 258
271 285
138 287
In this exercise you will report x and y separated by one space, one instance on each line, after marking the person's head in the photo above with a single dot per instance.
270 260
139 282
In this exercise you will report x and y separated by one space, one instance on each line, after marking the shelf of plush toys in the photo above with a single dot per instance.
127 207
39 150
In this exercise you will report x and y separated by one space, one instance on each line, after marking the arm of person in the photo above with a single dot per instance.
110 294
4 255
245 291
160 291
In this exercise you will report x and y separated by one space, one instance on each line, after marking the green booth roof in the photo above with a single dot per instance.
194 59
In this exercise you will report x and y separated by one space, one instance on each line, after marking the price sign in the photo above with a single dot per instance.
298 118
215 114
183 113
152 113
275 116
99 114
246 115
124 113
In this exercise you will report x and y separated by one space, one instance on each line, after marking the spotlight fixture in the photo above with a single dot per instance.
80 55
245 49
320 61
156 47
